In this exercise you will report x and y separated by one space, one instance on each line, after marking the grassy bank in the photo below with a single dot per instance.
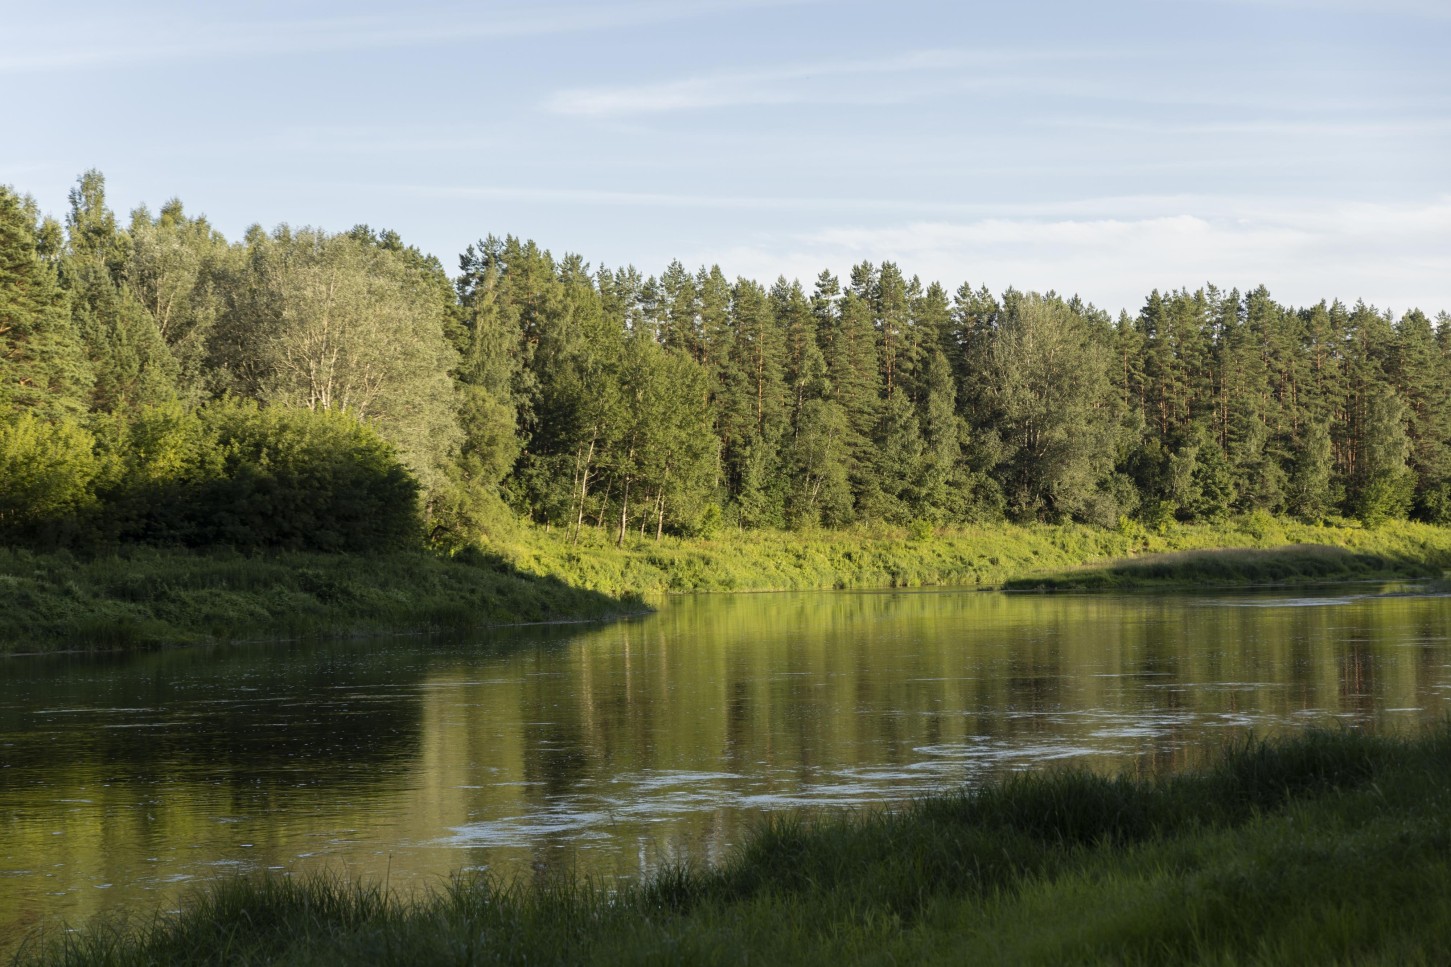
986 556
1243 567
1332 847
148 597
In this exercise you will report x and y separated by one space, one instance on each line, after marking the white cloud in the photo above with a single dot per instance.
1395 257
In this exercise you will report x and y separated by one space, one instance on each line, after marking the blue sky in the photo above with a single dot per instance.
1103 148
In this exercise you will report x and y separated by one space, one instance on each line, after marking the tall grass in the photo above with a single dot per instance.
1331 847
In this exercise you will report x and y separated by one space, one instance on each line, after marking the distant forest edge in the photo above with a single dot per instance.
340 392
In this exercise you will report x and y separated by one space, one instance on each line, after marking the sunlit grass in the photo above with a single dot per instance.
1296 563
987 556
1331 847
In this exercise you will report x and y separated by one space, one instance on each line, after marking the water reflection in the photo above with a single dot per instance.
609 749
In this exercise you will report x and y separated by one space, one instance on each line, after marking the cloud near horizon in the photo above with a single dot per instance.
1396 254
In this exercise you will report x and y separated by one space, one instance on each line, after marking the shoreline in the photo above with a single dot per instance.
356 636
145 598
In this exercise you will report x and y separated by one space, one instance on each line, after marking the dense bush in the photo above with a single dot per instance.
229 473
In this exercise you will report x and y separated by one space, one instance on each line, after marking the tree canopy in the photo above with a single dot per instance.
302 388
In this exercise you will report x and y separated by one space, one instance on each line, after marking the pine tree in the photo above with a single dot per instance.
43 368
975 316
755 412
680 312
805 366
891 301
851 366
1311 493
945 486
130 360
1384 486
1363 422
1421 372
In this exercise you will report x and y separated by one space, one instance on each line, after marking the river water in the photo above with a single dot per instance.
607 750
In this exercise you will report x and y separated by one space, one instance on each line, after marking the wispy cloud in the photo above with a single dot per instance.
1047 75
55 46
735 202
815 83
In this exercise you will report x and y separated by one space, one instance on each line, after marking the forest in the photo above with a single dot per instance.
298 389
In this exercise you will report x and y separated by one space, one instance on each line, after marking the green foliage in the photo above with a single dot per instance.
174 270
228 474
1384 496
1311 492
344 323
1050 395
47 476
821 487
298 479
1385 486
130 360
43 368
576 397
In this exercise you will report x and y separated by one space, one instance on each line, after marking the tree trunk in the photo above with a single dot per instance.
624 513
583 491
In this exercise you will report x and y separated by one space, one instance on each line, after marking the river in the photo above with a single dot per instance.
606 750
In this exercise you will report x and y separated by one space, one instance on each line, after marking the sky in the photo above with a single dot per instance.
1102 149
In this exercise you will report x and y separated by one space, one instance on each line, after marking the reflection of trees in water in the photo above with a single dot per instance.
271 721
1357 679
877 694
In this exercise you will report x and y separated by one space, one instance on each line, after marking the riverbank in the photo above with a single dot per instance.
988 556
1328 847
1228 567
145 597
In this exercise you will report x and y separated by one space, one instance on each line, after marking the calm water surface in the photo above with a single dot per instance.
609 749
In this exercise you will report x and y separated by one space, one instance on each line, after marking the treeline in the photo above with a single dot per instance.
676 401
154 373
